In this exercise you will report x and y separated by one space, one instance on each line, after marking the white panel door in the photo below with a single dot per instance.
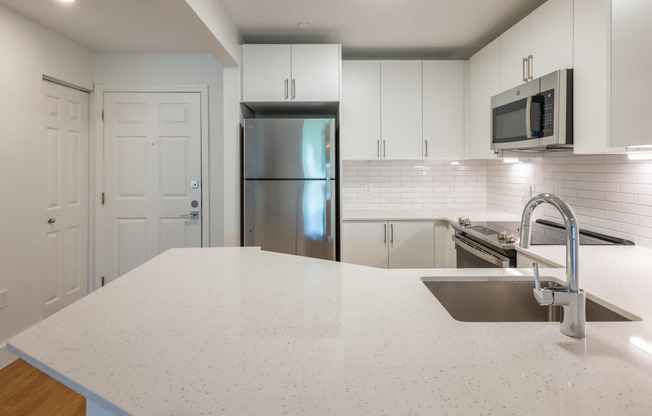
443 109
66 213
411 244
360 110
401 110
365 243
152 177
266 73
315 72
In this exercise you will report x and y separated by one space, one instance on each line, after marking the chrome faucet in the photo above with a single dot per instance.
571 297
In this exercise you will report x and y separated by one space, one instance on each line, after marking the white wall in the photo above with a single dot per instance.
180 69
27 52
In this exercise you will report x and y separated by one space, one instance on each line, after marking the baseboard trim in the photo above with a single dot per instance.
6 357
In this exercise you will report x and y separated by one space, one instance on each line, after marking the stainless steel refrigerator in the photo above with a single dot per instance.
290 186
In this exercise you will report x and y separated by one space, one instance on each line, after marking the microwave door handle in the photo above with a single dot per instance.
528 122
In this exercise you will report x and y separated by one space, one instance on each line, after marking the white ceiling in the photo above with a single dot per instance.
365 28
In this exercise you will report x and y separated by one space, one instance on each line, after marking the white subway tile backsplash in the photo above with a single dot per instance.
609 193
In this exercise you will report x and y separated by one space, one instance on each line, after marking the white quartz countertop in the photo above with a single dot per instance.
427 214
240 331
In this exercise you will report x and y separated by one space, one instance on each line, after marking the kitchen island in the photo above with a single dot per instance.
240 331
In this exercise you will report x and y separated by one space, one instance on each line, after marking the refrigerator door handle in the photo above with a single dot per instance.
327 155
329 203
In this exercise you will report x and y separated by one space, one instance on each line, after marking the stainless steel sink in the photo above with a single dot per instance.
508 301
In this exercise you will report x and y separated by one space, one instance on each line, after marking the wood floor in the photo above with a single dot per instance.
26 391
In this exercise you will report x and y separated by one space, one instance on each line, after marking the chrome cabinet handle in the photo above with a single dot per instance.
384 153
530 67
426 147
287 86
294 89
384 233
378 148
51 220
525 72
391 233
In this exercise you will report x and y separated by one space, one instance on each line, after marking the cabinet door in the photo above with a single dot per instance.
266 73
483 83
514 46
552 49
315 73
411 244
443 109
401 110
360 110
365 243
631 64
590 77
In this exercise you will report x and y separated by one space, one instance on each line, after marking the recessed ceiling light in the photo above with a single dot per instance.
304 25
67 1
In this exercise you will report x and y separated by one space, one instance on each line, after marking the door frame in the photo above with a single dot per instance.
96 166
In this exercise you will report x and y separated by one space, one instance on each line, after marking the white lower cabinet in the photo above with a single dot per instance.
389 244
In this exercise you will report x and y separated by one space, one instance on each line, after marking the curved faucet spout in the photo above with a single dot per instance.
573 300
572 234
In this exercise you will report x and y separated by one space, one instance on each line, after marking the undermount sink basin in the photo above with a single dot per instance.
508 301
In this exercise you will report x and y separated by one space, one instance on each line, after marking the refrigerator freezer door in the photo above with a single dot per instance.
289 148
291 216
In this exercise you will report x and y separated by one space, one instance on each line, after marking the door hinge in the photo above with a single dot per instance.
102 198
102 114
102 281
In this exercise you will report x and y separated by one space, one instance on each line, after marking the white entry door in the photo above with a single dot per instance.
66 213
152 177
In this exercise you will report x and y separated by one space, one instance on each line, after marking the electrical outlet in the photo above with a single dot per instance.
3 298
527 193
368 188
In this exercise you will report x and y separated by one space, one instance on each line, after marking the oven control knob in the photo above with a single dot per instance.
509 238
502 235
464 221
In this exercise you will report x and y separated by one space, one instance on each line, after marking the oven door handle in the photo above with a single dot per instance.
482 252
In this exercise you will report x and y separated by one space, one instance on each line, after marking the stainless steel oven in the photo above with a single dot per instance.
471 254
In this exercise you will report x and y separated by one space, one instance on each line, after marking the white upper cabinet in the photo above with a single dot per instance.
514 55
360 110
590 77
401 110
551 34
381 112
443 109
286 73
484 79
631 64
316 72
266 72
537 45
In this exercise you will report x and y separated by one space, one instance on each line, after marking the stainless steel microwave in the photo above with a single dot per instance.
535 116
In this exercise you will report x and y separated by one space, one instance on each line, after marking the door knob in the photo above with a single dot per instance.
192 216
51 221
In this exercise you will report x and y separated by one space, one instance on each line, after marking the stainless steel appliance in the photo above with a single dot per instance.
289 186
537 115
493 244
